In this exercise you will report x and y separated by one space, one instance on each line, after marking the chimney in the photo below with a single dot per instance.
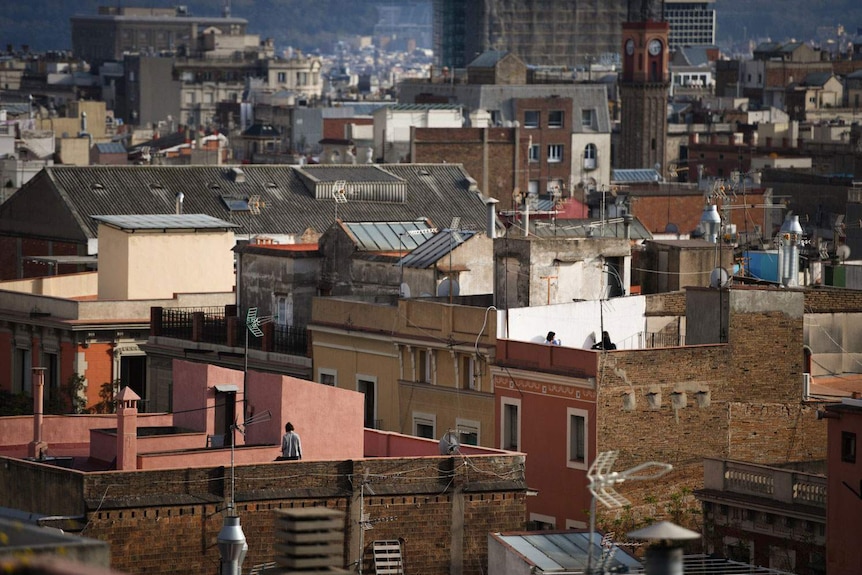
310 538
491 211
37 447
127 429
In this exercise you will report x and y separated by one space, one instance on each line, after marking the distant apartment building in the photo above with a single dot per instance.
116 31
765 515
571 33
692 23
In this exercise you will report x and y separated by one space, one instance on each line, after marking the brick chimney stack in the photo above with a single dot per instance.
127 429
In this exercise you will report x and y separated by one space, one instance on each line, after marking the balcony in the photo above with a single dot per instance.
780 485
221 326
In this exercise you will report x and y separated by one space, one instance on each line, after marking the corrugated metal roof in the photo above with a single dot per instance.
435 249
422 107
388 236
635 176
574 228
287 206
165 222
567 551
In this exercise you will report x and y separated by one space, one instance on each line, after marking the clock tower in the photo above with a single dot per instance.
643 94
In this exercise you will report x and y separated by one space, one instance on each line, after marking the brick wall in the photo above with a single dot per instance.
491 163
668 303
832 300
740 400
442 508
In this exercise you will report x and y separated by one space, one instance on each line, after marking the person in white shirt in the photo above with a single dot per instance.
291 446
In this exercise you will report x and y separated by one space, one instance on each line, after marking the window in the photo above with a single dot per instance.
587 118
590 154
848 447
555 153
424 425
282 77
284 309
468 373
531 119
468 431
577 438
555 119
423 365
533 153
368 385
23 371
511 431
327 376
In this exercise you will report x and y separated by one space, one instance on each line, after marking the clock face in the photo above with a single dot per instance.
630 46
655 47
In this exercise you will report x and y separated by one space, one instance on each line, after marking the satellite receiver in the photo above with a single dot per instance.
404 290
843 252
719 278
449 443
447 287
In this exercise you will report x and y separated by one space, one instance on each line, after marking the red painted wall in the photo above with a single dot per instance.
844 503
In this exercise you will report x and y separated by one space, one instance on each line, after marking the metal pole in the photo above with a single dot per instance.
592 532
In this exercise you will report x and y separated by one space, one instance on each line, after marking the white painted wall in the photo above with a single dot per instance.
577 323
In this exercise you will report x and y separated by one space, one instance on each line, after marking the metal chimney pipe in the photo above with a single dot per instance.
491 213
232 546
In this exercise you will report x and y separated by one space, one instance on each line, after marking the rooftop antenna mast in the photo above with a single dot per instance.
602 481
231 540
339 195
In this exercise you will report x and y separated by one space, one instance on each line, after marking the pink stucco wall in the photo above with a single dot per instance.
329 420
390 444
64 434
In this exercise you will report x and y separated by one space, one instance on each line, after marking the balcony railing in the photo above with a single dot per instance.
222 326
783 485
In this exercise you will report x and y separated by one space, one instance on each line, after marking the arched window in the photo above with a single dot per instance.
590 157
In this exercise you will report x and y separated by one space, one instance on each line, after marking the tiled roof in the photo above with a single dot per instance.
287 200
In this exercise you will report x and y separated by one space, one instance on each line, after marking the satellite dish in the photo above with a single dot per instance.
719 278
448 287
405 290
843 252
449 443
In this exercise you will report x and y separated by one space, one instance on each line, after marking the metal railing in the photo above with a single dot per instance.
211 325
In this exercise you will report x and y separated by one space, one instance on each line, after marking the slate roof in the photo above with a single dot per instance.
488 59
817 79
111 148
59 202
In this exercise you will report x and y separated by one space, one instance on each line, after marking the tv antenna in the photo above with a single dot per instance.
339 194
602 481
449 443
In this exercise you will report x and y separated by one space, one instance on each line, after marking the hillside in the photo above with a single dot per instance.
314 24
